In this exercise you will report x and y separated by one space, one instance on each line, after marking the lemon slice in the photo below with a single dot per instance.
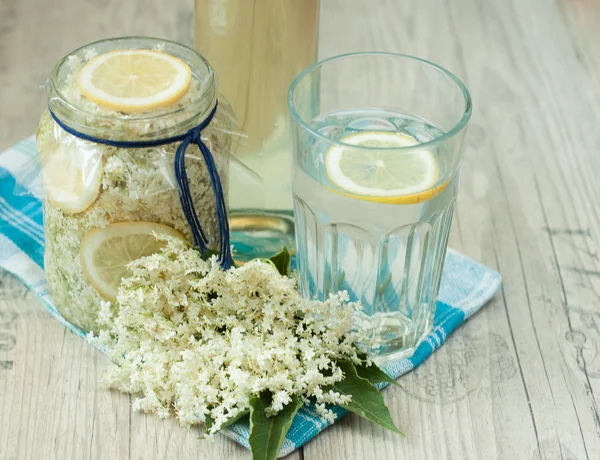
72 176
134 80
105 252
383 176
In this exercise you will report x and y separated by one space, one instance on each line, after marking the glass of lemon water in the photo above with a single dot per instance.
377 154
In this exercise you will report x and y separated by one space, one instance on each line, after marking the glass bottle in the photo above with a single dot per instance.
258 47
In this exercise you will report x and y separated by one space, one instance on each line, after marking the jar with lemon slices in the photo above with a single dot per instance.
104 201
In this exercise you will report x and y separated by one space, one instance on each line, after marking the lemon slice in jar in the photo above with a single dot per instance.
71 176
383 176
106 252
134 80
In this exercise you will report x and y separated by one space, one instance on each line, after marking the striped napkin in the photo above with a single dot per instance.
466 286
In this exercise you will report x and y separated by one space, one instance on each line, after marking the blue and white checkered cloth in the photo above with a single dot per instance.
466 286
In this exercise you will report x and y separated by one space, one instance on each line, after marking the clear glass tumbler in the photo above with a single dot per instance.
377 155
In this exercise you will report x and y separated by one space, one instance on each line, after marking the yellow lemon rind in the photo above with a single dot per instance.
413 198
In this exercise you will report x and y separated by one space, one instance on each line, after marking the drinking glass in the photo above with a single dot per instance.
377 153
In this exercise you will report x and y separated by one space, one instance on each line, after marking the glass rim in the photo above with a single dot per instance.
457 128
194 108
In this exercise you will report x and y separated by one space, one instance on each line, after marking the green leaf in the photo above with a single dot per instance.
267 433
367 401
209 421
282 262
374 374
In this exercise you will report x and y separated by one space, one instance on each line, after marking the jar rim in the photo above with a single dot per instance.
198 108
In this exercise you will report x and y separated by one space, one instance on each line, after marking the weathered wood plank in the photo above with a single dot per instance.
529 118
537 108
520 381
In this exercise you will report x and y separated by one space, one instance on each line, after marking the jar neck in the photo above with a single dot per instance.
86 117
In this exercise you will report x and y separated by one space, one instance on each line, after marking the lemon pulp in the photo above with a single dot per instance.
386 175
134 80
71 175
106 252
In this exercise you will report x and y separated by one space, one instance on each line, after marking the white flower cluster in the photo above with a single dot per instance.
191 338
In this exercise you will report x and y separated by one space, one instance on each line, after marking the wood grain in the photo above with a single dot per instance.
521 380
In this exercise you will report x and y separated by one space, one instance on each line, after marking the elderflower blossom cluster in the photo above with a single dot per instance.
190 338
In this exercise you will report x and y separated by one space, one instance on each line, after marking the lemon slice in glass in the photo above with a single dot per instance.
72 176
383 176
134 80
105 252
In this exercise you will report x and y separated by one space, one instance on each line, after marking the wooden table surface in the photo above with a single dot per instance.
520 380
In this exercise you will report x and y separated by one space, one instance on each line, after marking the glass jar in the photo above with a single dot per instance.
106 185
